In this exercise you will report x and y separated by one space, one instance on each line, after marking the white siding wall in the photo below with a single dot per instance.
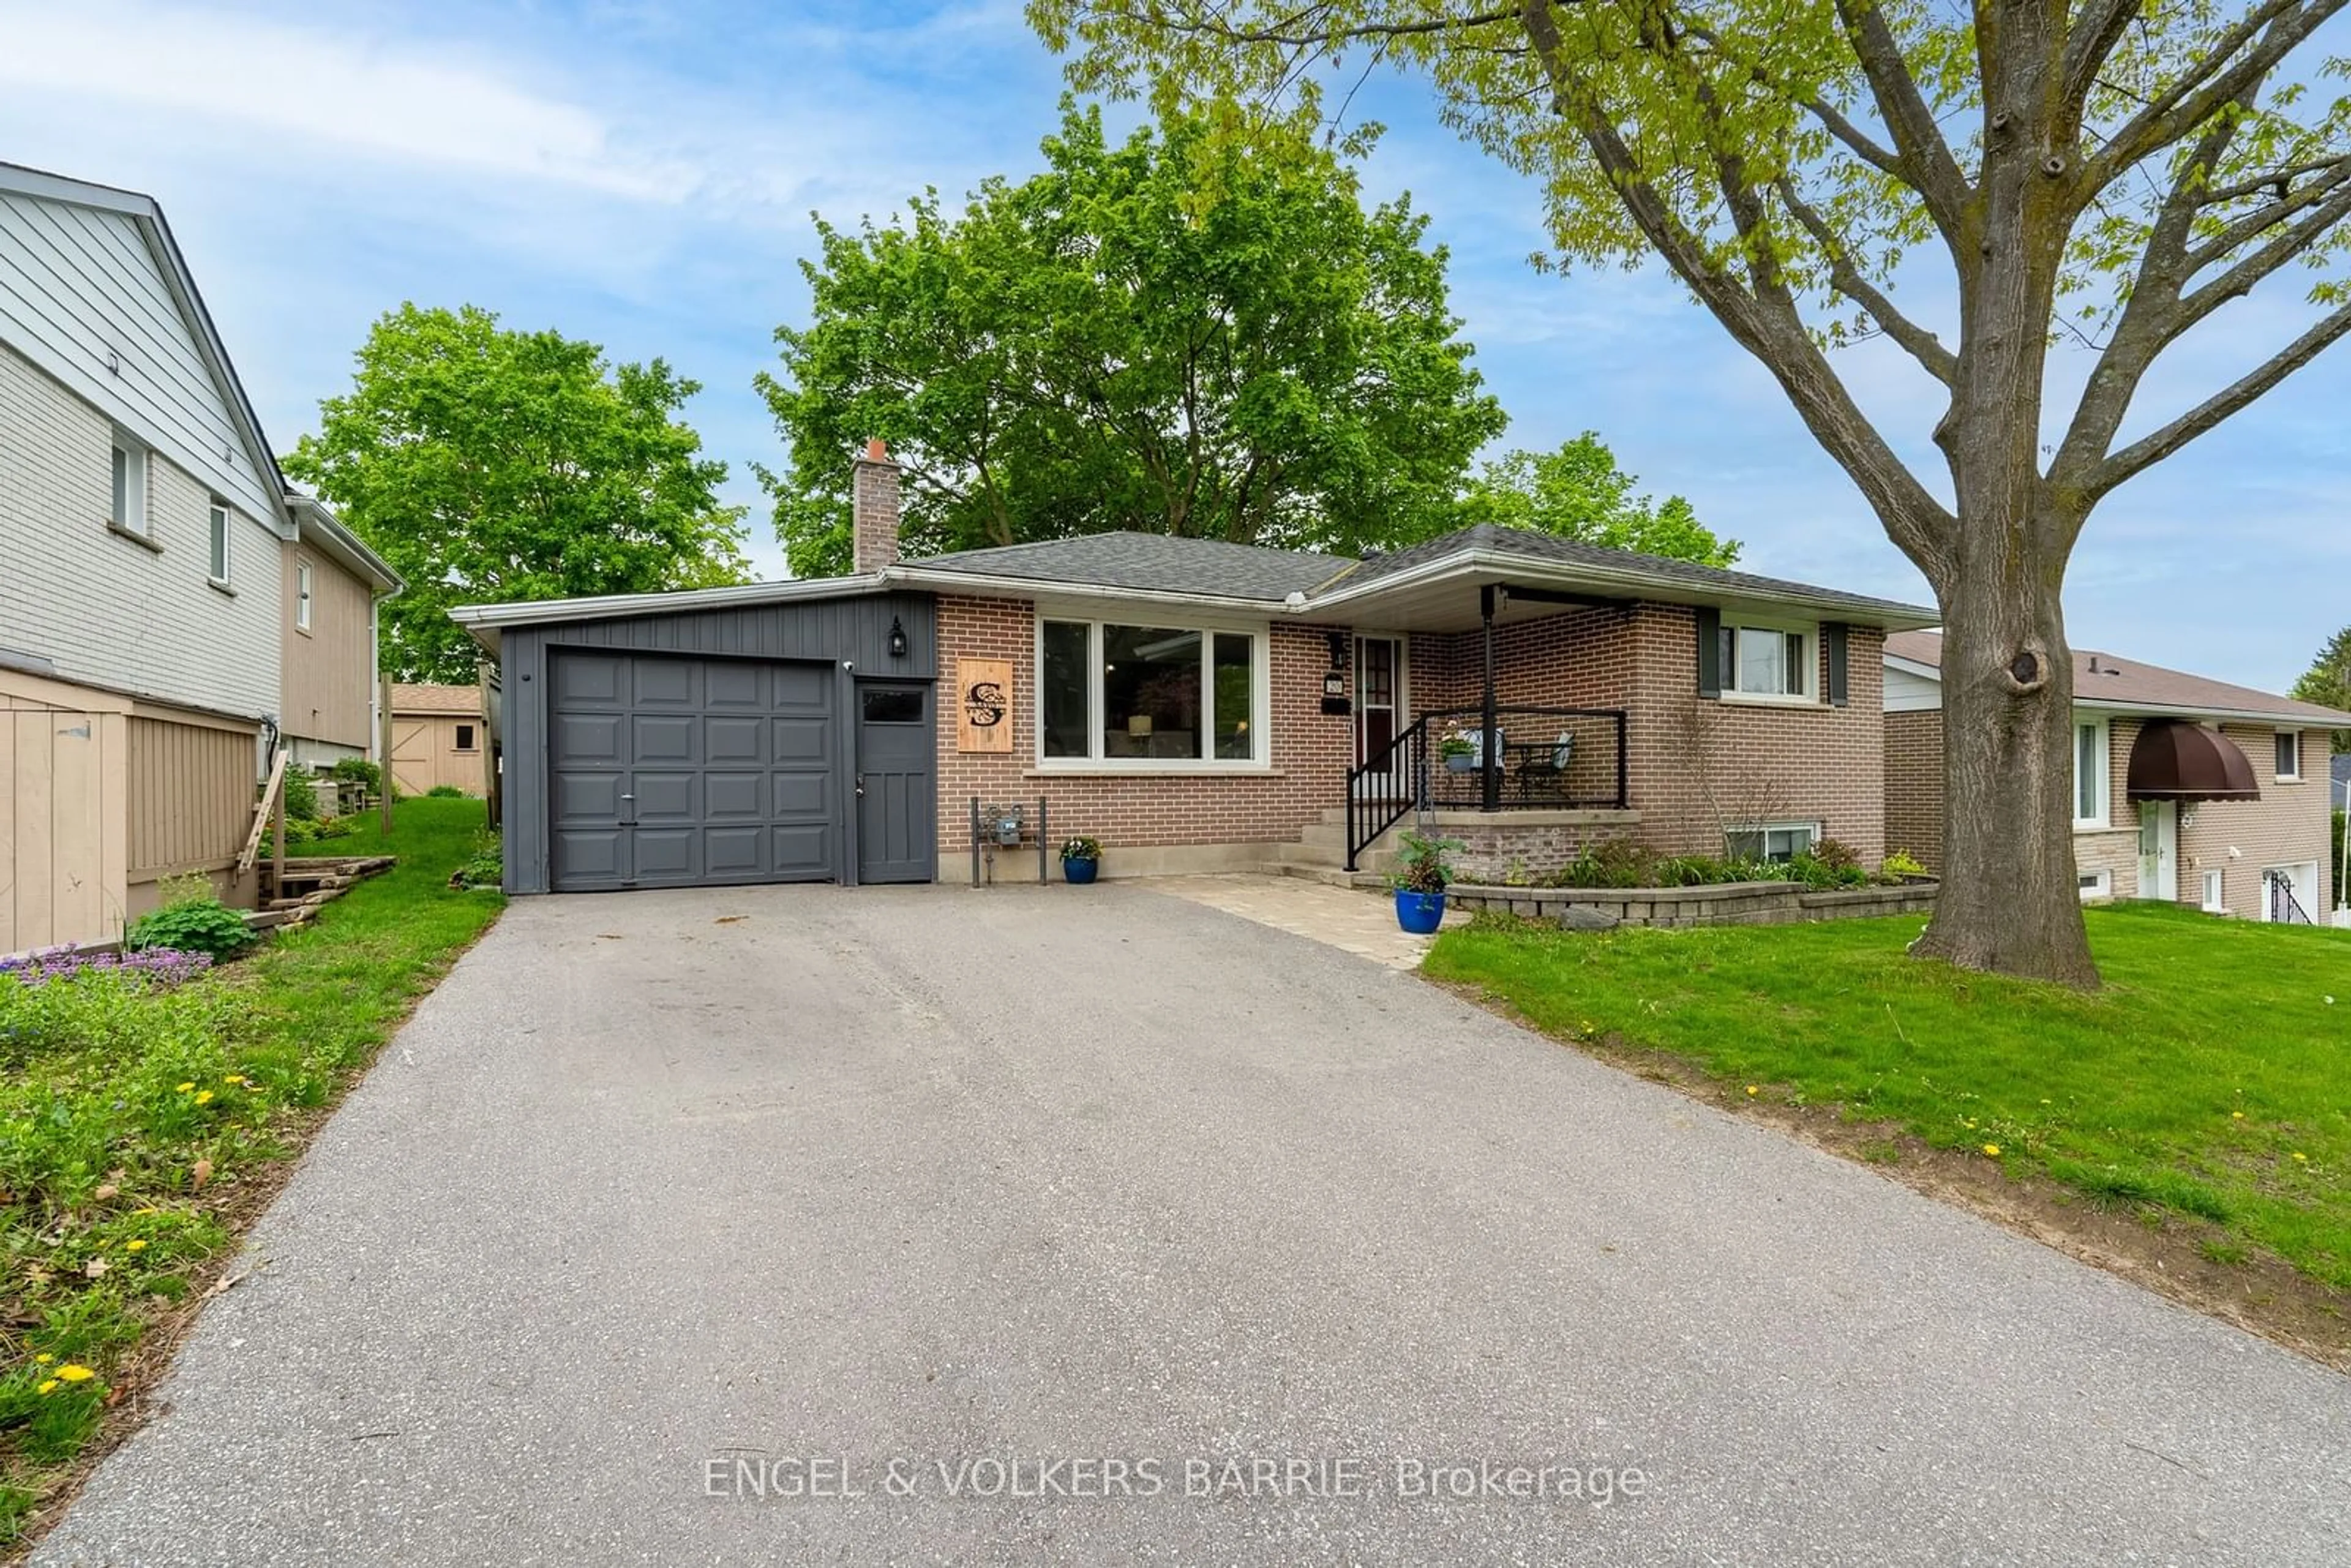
104 608
77 284
1906 693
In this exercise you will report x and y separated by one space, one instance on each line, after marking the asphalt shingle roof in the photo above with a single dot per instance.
2120 680
1151 563
1161 563
1549 549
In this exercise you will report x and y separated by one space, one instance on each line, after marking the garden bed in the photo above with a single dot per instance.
1707 904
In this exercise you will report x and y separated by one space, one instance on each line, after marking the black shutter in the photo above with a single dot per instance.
1709 652
1833 639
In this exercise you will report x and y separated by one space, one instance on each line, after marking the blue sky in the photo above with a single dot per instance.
642 174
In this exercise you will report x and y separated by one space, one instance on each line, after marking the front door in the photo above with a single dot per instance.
2159 851
1379 709
896 803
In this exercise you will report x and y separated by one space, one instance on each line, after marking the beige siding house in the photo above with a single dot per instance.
2248 838
330 590
145 529
440 738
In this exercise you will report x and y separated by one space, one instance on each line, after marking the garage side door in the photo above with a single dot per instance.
681 772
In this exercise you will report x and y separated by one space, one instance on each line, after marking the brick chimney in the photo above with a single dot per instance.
873 509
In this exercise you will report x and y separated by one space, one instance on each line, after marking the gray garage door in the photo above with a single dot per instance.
680 773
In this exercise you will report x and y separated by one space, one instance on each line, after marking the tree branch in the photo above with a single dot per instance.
2273 29
1935 174
1923 345
2154 448
1765 328
2092 38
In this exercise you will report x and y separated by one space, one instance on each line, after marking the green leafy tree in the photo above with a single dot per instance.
1196 331
488 464
1578 492
2095 176
2328 681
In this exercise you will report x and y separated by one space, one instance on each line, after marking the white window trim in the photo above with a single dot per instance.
214 507
2097 884
2104 820
1809 824
1094 617
1811 632
2295 776
303 585
136 483
2214 904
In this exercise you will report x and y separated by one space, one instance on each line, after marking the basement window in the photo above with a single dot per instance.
1773 843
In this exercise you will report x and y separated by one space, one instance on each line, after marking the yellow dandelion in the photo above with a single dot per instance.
204 1097
2236 1116
74 1372
187 1089
1753 1090
44 1359
51 1386
134 1246
2300 1155
1992 1149
234 1077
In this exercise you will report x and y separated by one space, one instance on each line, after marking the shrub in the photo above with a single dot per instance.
1424 865
192 925
444 792
485 868
1836 855
301 797
331 827
360 772
1899 864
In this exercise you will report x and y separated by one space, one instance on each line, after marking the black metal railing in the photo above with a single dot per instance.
2286 909
1540 758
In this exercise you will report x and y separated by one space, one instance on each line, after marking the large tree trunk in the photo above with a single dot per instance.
2011 900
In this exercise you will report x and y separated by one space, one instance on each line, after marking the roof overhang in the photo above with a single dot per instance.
314 524
1429 596
2173 759
485 622
2093 703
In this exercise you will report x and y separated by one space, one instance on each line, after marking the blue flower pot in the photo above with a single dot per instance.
1419 913
1081 872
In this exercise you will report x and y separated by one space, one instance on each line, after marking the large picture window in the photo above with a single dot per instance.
1119 693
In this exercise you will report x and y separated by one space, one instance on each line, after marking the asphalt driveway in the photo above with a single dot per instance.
903 1184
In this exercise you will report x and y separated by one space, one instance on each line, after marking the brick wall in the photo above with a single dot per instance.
1691 762
1914 785
2287 826
1312 752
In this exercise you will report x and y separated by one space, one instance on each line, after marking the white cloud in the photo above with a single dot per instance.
401 101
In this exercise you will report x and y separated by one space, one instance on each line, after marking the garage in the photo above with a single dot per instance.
678 772
718 737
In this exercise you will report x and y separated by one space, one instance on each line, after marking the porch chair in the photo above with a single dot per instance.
1547 774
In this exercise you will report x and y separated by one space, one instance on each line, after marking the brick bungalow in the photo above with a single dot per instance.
2186 790
1193 704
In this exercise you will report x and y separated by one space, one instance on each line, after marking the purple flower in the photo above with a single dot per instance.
160 966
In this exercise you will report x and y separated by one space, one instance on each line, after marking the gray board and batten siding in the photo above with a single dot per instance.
824 655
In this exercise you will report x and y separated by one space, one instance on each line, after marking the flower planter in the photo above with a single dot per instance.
1419 913
1079 872
1461 762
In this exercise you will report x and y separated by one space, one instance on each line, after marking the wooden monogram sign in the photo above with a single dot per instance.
984 704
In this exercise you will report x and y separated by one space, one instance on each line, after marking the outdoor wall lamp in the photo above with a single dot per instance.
897 639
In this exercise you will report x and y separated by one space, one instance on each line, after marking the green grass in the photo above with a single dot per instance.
2212 1076
138 1127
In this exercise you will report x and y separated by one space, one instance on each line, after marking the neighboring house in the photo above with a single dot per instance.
440 736
331 591
2342 781
1193 704
2185 790
144 534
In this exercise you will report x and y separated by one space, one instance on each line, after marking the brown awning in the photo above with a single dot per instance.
2175 760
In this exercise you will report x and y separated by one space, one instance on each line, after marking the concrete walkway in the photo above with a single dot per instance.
1350 919
659 1190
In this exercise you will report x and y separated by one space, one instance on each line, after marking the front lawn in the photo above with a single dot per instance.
143 1125
2210 1077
